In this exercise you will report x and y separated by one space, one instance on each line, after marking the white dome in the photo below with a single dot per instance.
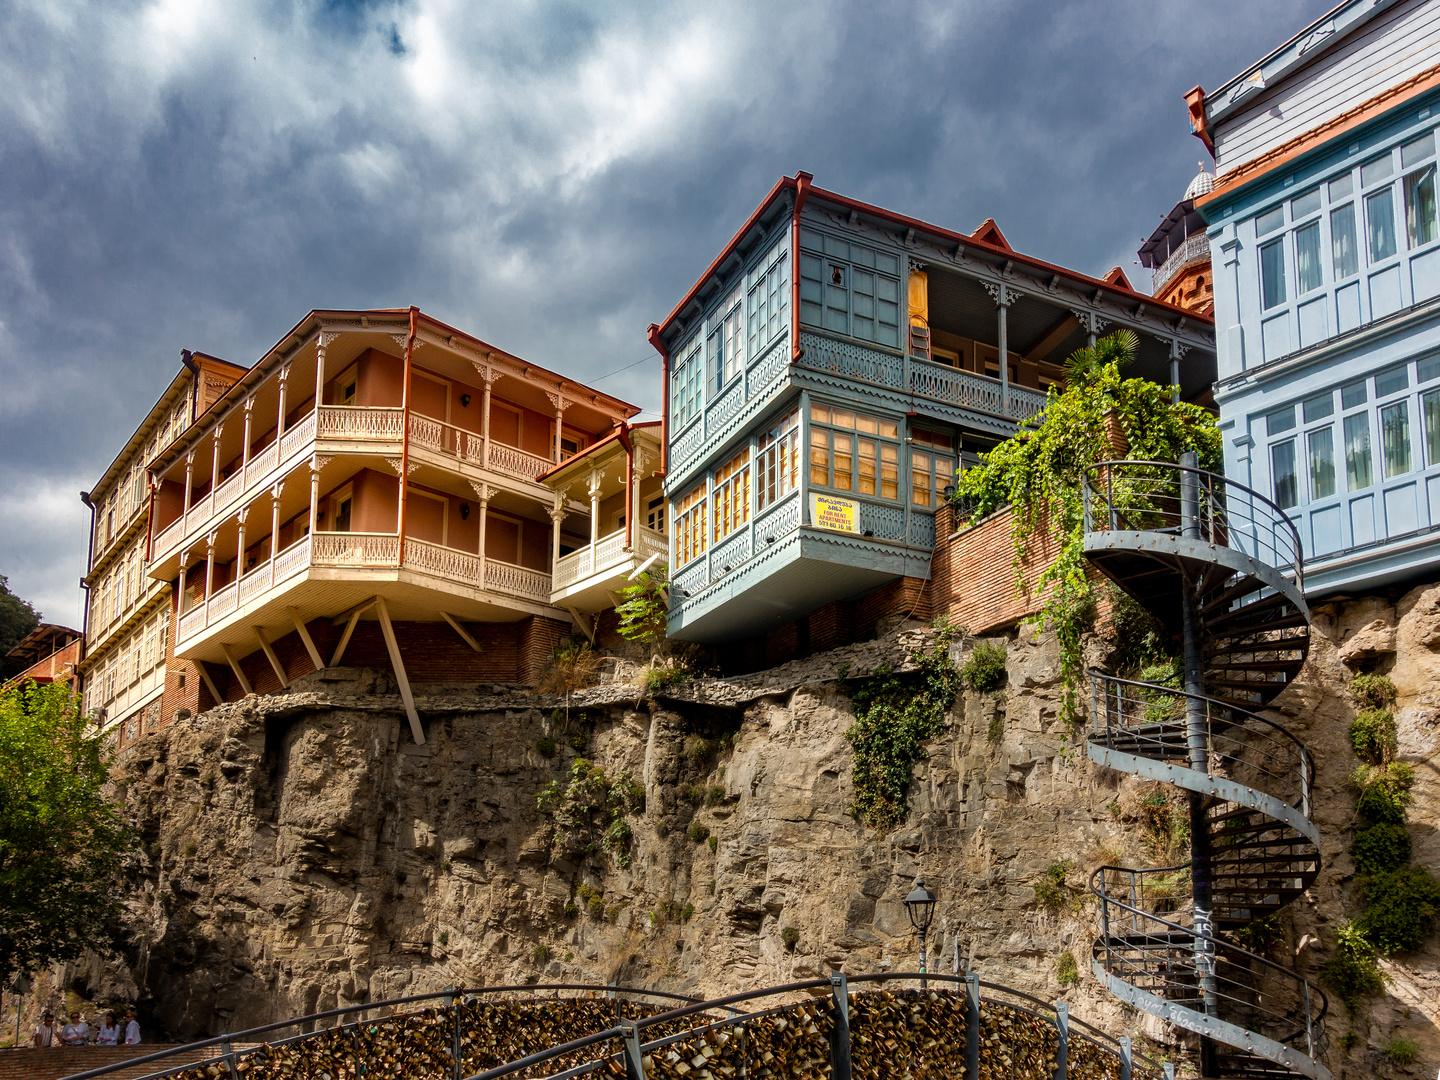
1203 184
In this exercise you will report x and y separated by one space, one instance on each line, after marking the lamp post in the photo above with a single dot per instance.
921 906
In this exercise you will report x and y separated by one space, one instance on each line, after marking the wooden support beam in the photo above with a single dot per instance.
581 622
235 667
394 648
270 655
358 609
205 675
465 634
345 638
304 632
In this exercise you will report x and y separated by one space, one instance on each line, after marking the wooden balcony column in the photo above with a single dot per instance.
557 516
275 526
594 488
280 416
189 482
245 446
209 570
561 404
215 461
326 337
316 464
489 376
641 463
1176 352
483 493
1004 296
240 545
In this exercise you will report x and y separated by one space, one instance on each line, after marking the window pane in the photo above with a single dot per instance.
865 467
1353 394
1357 452
1378 169
1342 186
820 458
1282 472
1420 206
1392 380
844 467
1272 274
820 412
1307 258
1304 204
1395 434
1427 369
1322 463
920 479
1280 420
1320 406
1344 255
1380 224
944 473
889 471
1269 221
1430 407
889 430
842 418
1417 150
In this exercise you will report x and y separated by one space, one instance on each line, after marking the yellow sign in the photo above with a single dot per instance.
827 512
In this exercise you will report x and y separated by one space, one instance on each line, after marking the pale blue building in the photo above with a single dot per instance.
1326 256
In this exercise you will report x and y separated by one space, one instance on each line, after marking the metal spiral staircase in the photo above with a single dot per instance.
1221 568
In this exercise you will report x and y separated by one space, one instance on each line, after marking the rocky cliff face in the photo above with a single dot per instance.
303 853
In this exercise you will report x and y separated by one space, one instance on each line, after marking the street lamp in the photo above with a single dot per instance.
921 906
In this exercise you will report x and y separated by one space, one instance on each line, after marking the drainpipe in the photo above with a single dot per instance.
629 485
405 440
659 345
802 192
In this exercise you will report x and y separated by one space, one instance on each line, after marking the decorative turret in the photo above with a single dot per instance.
1178 252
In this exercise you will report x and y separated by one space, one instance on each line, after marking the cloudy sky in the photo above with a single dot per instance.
550 176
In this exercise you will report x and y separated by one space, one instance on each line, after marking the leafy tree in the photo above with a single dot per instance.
62 843
17 618
643 609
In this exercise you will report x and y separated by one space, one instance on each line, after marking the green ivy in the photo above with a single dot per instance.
1352 971
1372 734
984 668
894 714
1380 848
1038 473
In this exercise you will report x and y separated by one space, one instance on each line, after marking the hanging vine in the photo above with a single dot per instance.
1037 473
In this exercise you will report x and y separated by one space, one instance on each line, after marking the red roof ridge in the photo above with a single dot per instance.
989 233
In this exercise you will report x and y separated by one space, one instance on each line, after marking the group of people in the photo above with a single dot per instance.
77 1032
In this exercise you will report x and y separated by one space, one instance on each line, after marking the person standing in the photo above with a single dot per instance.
76 1032
45 1030
132 1028
109 1033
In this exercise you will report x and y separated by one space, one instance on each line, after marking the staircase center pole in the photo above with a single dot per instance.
1197 744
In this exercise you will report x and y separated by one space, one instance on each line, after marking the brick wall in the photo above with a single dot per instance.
58 1061
973 571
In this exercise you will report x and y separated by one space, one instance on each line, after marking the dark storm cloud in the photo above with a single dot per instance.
549 176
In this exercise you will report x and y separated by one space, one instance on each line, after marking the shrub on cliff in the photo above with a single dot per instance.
63 844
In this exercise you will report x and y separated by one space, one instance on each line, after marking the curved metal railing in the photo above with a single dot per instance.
820 1027
1156 957
249 1041
1145 496
1178 538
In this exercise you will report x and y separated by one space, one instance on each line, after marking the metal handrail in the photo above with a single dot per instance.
1215 519
1307 992
1178 696
455 994
540 1057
